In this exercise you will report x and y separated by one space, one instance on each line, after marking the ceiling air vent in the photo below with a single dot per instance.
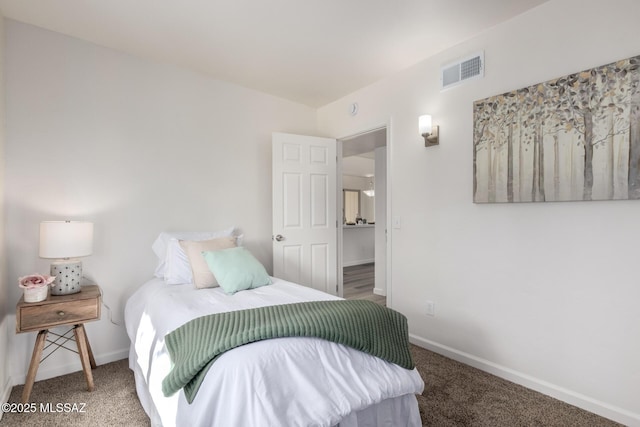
471 67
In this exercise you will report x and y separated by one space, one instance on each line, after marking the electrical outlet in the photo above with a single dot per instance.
430 308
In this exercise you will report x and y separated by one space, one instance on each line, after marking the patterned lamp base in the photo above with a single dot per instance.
68 275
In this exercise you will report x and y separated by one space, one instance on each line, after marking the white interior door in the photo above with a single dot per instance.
304 210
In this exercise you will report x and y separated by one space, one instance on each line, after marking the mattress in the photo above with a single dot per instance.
278 382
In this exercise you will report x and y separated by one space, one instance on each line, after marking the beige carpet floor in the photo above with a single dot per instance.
459 395
454 395
113 402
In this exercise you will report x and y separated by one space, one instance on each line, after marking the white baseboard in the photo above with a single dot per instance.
587 403
112 356
56 371
358 262
381 292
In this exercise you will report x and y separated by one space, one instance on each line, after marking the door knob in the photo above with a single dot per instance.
279 238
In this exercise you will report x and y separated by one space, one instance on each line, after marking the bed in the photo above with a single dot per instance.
290 381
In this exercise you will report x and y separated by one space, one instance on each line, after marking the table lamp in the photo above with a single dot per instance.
65 241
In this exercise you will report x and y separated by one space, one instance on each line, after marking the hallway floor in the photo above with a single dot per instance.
358 283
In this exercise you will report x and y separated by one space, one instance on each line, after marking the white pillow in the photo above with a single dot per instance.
173 263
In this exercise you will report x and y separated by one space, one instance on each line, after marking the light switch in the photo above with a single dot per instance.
396 222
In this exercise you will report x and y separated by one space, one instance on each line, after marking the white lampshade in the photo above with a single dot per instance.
424 124
66 239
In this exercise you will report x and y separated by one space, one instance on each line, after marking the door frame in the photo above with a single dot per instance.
339 206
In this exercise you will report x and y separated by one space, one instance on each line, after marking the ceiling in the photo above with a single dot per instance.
364 144
308 51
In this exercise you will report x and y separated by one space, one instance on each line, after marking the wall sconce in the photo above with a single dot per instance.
428 132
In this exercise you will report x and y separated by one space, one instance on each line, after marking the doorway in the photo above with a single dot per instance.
362 238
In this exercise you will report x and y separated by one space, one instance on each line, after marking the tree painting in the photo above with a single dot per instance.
573 138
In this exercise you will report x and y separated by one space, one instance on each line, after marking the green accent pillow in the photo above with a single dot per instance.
236 269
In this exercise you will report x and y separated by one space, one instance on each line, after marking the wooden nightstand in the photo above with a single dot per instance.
65 310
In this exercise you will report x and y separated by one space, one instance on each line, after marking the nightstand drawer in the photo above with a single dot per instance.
69 312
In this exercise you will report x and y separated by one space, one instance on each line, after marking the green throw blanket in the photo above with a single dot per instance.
360 324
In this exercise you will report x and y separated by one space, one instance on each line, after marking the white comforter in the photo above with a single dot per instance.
278 382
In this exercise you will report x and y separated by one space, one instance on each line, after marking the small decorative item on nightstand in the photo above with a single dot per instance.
35 286
65 241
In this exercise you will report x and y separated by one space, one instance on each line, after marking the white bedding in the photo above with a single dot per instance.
278 382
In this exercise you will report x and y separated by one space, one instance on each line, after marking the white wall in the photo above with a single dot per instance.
136 147
545 294
5 383
357 165
358 244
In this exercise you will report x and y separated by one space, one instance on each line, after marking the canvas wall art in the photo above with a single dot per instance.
572 138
